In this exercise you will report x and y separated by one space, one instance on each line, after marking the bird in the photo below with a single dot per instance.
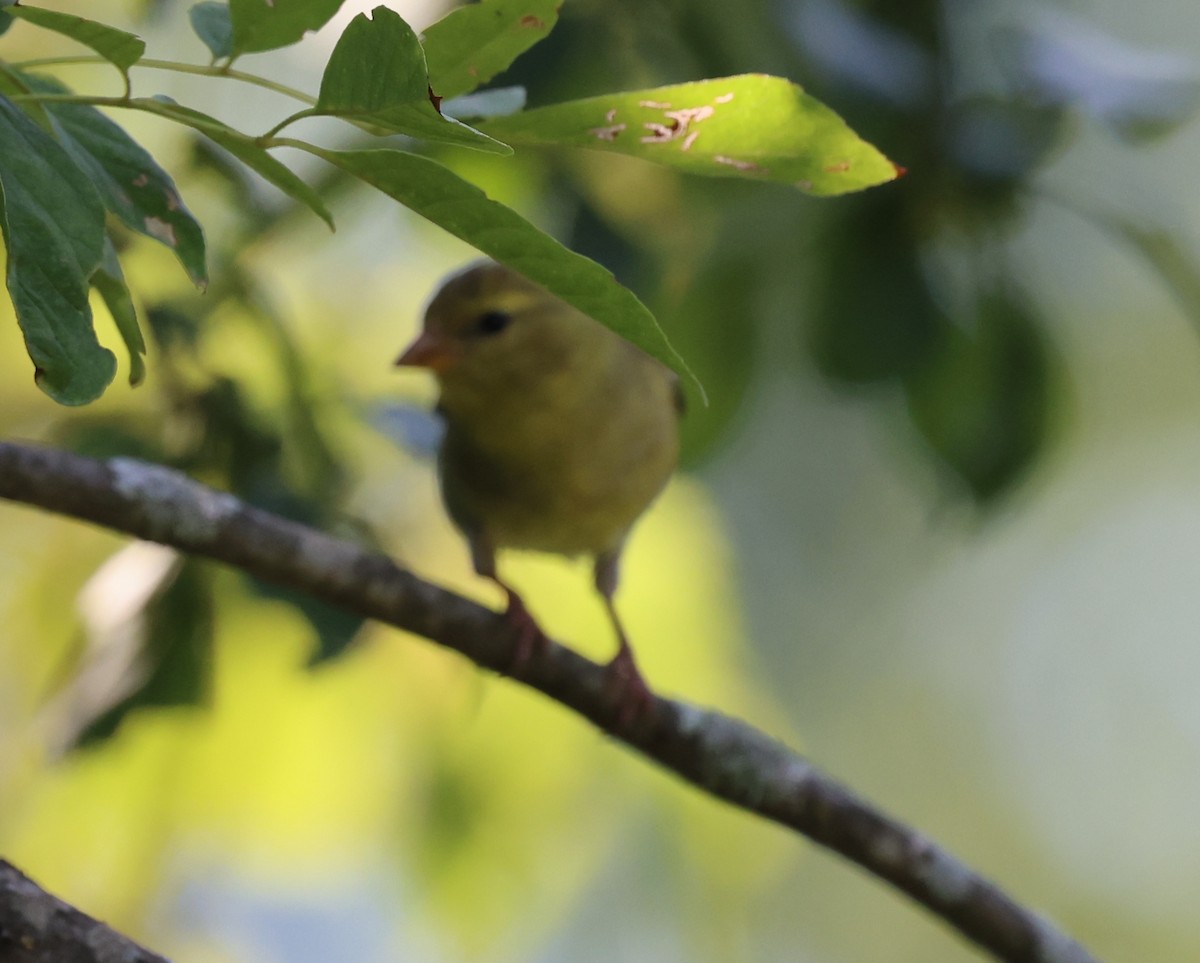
559 434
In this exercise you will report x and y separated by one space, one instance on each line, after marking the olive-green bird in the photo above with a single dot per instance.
559 433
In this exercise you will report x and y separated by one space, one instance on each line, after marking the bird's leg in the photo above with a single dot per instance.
530 636
624 678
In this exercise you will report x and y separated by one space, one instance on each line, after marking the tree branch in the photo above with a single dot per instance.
36 927
723 756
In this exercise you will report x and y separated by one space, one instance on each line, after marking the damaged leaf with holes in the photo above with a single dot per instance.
53 225
751 126
377 76
132 185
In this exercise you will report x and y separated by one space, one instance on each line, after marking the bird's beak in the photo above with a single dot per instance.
430 351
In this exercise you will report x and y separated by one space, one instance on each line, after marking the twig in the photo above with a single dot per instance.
726 757
36 927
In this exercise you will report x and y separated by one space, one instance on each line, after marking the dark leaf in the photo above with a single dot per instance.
109 280
983 405
133 187
873 316
54 230
714 332
243 147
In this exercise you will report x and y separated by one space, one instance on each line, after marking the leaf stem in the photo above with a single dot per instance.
179 68
88 99
287 122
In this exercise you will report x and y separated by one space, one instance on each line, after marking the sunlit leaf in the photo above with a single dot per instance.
133 187
473 43
118 47
465 211
109 280
751 126
54 232
376 75
269 24
211 21
243 147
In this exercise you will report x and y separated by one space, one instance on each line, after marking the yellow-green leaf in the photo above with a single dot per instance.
752 126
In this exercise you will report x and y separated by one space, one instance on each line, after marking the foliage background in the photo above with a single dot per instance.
1003 656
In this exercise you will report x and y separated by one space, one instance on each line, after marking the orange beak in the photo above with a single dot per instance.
429 351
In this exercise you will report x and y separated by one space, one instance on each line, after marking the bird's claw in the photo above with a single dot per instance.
530 637
627 688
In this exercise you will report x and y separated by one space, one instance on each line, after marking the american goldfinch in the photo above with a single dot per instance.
559 433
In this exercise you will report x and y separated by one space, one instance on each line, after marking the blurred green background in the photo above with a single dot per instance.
939 527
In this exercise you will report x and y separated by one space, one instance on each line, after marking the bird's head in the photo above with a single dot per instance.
489 327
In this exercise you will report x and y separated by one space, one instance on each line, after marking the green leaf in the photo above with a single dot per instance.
424 121
133 187
241 146
874 316
377 63
14 83
109 280
472 44
269 24
463 210
983 404
723 286
118 47
376 75
211 21
752 126
53 224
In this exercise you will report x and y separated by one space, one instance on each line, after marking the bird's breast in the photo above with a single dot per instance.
567 481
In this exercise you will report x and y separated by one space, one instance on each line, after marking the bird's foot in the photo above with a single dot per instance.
627 687
530 637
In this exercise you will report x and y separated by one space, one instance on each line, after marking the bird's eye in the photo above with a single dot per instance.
493 322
